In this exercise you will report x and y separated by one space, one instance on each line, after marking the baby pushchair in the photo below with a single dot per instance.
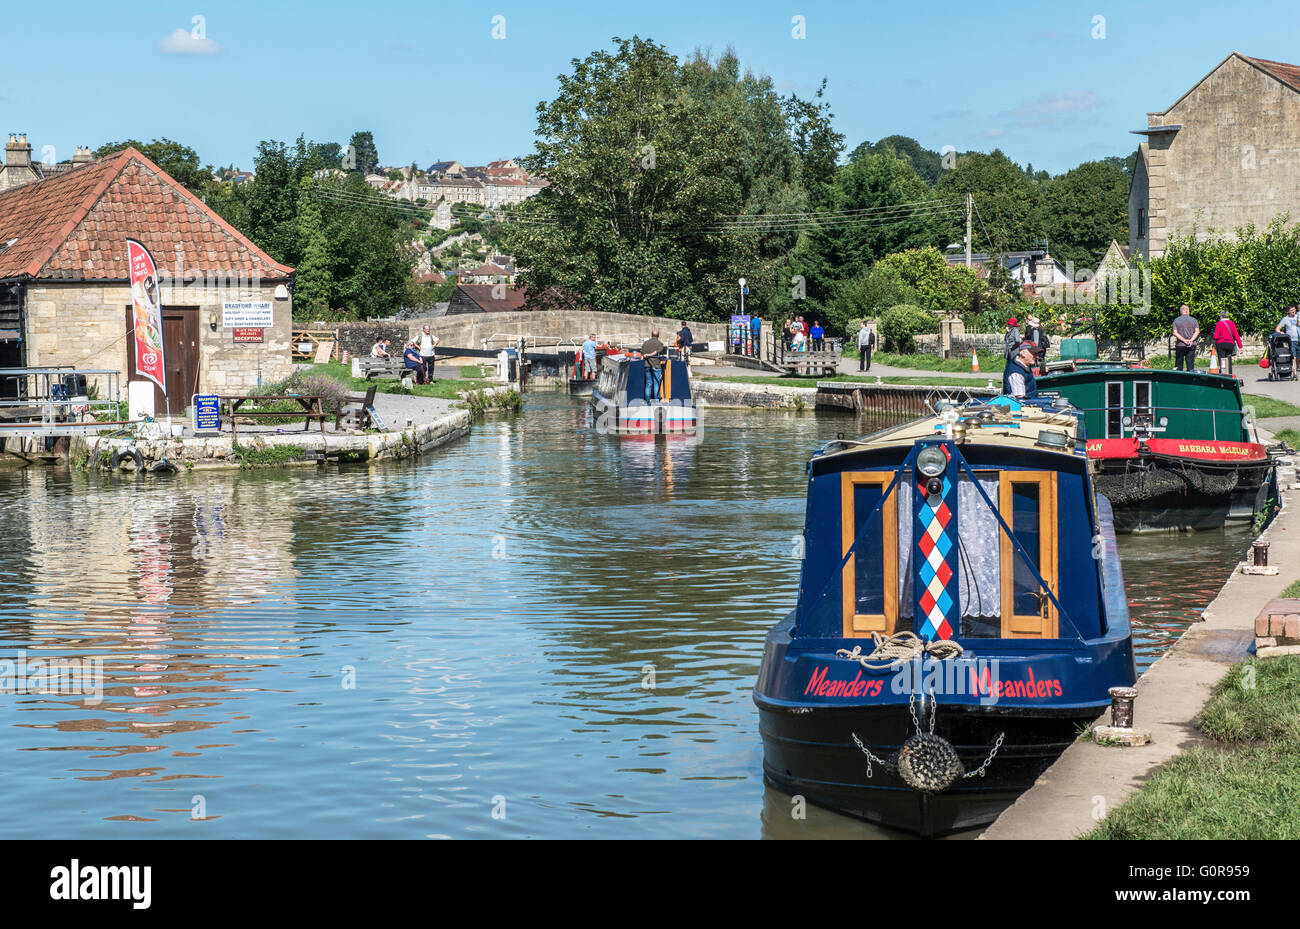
1281 363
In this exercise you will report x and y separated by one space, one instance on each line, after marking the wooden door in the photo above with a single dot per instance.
180 357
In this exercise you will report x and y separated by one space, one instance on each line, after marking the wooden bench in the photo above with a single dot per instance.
807 363
355 412
384 368
312 409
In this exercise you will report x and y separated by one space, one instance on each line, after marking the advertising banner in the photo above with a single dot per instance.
147 314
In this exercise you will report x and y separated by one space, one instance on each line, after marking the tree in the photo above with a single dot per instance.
1085 209
1006 197
364 155
648 163
870 221
180 161
312 281
816 141
926 163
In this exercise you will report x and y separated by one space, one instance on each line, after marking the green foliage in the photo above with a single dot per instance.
926 163
1007 199
900 323
364 155
250 457
866 296
637 148
367 262
1083 210
817 144
1252 276
180 161
941 287
313 282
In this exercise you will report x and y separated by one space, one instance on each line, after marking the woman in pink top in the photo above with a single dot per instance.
1227 341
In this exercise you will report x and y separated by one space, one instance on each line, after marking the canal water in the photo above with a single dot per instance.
537 631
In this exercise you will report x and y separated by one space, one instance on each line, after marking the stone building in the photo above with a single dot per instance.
1225 154
65 297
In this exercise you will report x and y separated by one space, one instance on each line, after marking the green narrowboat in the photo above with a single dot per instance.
1170 449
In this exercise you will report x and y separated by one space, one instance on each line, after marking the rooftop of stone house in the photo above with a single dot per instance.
73 226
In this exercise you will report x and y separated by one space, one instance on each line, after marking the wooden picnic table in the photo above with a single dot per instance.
313 409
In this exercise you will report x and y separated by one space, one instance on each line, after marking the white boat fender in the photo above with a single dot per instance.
123 453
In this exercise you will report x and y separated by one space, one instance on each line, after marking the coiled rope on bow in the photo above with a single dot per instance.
897 649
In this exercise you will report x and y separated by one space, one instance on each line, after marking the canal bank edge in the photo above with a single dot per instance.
218 451
1089 779
761 396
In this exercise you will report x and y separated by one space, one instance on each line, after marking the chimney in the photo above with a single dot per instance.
1044 271
83 155
18 152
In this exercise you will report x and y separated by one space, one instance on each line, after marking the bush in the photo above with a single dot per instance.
899 324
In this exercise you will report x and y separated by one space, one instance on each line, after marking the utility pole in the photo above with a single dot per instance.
969 202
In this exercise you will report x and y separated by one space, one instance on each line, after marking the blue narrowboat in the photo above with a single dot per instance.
627 398
961 612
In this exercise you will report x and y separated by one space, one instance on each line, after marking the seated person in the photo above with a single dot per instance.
413 361
377 350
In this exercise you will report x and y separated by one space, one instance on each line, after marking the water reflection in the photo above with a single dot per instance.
545 620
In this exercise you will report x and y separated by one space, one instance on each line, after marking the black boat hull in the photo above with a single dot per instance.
1180 496
811 753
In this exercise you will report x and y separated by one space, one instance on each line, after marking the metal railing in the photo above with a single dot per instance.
49 401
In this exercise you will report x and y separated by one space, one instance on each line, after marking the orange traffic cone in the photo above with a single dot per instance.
1214 362
974 362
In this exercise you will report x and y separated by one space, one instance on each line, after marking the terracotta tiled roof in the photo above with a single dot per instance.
1287 74
73 227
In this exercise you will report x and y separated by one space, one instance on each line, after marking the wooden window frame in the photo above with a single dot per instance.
1043 625
860 625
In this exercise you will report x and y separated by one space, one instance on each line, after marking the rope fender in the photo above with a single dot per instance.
896 650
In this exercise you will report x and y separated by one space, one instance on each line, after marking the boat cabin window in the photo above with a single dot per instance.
1143 415
868 575
1114 409
997 590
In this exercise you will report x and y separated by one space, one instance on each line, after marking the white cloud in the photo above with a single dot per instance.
994 133
1046 109
182 42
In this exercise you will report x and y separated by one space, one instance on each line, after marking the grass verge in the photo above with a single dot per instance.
441 388
935 380
1246 784
1268 407
923 362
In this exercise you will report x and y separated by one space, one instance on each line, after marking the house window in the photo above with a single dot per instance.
1142 223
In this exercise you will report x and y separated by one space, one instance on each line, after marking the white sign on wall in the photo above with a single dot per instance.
257 314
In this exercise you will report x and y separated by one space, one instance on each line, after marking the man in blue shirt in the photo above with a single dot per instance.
589 356
755 328
817 334
684 341
1290 324
1018 377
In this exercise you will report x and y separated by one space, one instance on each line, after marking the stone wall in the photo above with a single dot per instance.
1234 161
84 324
544 329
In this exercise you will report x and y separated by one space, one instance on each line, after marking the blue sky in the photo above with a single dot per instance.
431 82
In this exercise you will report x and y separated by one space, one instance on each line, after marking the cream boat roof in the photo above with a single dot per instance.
986 424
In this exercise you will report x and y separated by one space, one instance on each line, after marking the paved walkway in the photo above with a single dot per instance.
1088 780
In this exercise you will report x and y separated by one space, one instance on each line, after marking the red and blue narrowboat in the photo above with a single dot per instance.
630 398
961 613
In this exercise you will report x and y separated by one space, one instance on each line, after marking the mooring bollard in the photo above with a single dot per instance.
1121 706
1259 552
1121 731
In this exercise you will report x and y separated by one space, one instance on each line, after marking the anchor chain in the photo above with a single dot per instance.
870 757
989 760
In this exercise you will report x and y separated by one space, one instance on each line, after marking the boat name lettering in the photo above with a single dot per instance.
818 685
985 685
1220 448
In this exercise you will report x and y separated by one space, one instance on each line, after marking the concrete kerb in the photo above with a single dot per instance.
218 451
1089 780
